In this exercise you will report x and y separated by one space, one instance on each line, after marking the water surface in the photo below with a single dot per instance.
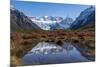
51 53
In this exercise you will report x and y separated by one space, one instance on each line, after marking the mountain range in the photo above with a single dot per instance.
21 22
51 23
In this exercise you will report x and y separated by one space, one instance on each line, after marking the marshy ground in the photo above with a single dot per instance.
21 43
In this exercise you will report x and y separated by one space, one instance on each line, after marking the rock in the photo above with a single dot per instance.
59 42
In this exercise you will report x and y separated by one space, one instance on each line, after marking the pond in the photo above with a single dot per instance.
51 53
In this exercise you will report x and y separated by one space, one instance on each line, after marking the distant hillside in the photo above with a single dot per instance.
86 20
20 22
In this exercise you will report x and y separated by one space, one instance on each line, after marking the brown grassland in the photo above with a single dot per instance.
21 43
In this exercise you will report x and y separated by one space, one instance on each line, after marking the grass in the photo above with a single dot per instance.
15 61
21 42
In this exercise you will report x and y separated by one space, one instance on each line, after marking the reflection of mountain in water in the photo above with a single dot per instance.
46 48
51 53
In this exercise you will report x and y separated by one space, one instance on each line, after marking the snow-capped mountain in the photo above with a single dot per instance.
64 24
49 22
87 17
45 21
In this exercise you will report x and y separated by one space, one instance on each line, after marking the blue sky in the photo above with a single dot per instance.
49 9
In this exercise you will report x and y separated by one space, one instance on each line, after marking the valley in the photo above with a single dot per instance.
21 43
26 33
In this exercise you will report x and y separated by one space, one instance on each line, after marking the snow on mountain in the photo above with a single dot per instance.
12 7
49 22
20 22
45 21
64 24
86 17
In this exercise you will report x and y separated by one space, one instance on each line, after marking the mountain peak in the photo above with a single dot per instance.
20 22
87 17
52 22
12 7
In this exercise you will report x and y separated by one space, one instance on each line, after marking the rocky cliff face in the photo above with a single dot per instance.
20 22
86 20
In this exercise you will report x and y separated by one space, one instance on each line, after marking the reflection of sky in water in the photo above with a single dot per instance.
51 53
